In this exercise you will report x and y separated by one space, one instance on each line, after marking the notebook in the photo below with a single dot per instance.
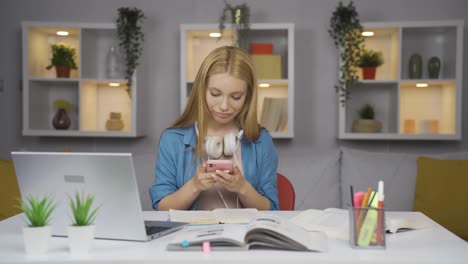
110 177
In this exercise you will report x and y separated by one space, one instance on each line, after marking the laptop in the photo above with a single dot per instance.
110 177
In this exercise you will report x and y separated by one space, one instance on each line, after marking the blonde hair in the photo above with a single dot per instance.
237 63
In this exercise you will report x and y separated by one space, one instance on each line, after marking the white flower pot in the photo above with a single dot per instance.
36 239
81 239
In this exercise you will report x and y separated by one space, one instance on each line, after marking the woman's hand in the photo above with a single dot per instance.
234 182
202 180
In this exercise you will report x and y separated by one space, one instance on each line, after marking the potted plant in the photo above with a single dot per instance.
81 232
63 59
366 123
346 31
61 119
240 16
36 233
131 37
368 62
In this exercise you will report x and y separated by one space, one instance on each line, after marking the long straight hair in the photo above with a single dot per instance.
236 62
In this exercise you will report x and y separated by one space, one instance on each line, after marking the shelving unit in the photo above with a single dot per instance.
196 44
408 112
88 89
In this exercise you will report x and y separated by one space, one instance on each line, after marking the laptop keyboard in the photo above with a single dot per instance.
155 229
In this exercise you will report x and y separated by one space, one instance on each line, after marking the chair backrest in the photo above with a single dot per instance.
286 193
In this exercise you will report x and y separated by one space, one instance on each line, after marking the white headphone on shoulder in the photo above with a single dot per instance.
216 146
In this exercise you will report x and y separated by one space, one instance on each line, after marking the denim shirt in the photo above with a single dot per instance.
175 164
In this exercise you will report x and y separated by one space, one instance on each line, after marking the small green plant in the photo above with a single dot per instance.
370 58
81 209
62 55
37 210
240 17
366 112
62 104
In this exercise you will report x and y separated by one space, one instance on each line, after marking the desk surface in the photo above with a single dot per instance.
433 245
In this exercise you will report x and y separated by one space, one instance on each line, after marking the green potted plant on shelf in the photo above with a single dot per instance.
131 38
63 59
366 122
61 119
346 32
368 61
81 232
240 17
36 233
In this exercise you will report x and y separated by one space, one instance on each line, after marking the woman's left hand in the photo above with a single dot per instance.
232 182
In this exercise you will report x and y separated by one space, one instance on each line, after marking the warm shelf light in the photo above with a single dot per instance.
62 33
215 35
422 85
113 84
368 33
264 85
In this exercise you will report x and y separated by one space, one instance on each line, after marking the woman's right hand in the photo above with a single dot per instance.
203 180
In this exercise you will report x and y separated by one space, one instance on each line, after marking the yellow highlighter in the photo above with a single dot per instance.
369 224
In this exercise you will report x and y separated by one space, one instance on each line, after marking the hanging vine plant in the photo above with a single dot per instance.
131 37
346 31
240 21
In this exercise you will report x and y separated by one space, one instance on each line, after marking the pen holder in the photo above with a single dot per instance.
367 227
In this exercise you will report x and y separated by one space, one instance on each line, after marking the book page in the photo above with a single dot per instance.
193 217
332 221
404 221
235 215
268 231
216 216
220 236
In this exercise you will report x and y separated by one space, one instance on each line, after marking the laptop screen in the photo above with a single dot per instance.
110 177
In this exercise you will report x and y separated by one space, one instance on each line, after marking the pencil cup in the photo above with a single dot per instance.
367 227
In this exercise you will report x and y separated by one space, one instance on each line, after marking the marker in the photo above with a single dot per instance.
206 248
380 220
185 243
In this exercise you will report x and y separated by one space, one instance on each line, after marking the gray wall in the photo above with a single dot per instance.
303 159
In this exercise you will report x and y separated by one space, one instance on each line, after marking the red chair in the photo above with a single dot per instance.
286 193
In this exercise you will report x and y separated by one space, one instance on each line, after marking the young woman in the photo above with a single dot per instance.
219 122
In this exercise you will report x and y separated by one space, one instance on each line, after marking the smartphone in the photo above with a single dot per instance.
222 165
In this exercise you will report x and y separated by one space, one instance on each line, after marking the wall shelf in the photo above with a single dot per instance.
88 89
406 110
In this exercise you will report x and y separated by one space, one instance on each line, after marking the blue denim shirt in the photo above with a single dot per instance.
175 164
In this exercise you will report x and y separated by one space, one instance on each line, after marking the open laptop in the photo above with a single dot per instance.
110 177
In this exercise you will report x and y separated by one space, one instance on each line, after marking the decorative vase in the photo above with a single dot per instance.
433 67
368 73
80 239
114 122
36 239
415 66
113 69
61 120
63 71
366 126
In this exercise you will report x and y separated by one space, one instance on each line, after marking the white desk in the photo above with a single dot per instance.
434 245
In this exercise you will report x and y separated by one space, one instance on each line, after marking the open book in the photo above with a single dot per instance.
335 222
216 216
264 232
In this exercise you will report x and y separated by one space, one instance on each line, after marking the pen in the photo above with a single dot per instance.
380 220
362 210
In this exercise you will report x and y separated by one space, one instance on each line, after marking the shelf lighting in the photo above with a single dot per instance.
215 35
422 85
113 84
367 33
264 85
62 33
